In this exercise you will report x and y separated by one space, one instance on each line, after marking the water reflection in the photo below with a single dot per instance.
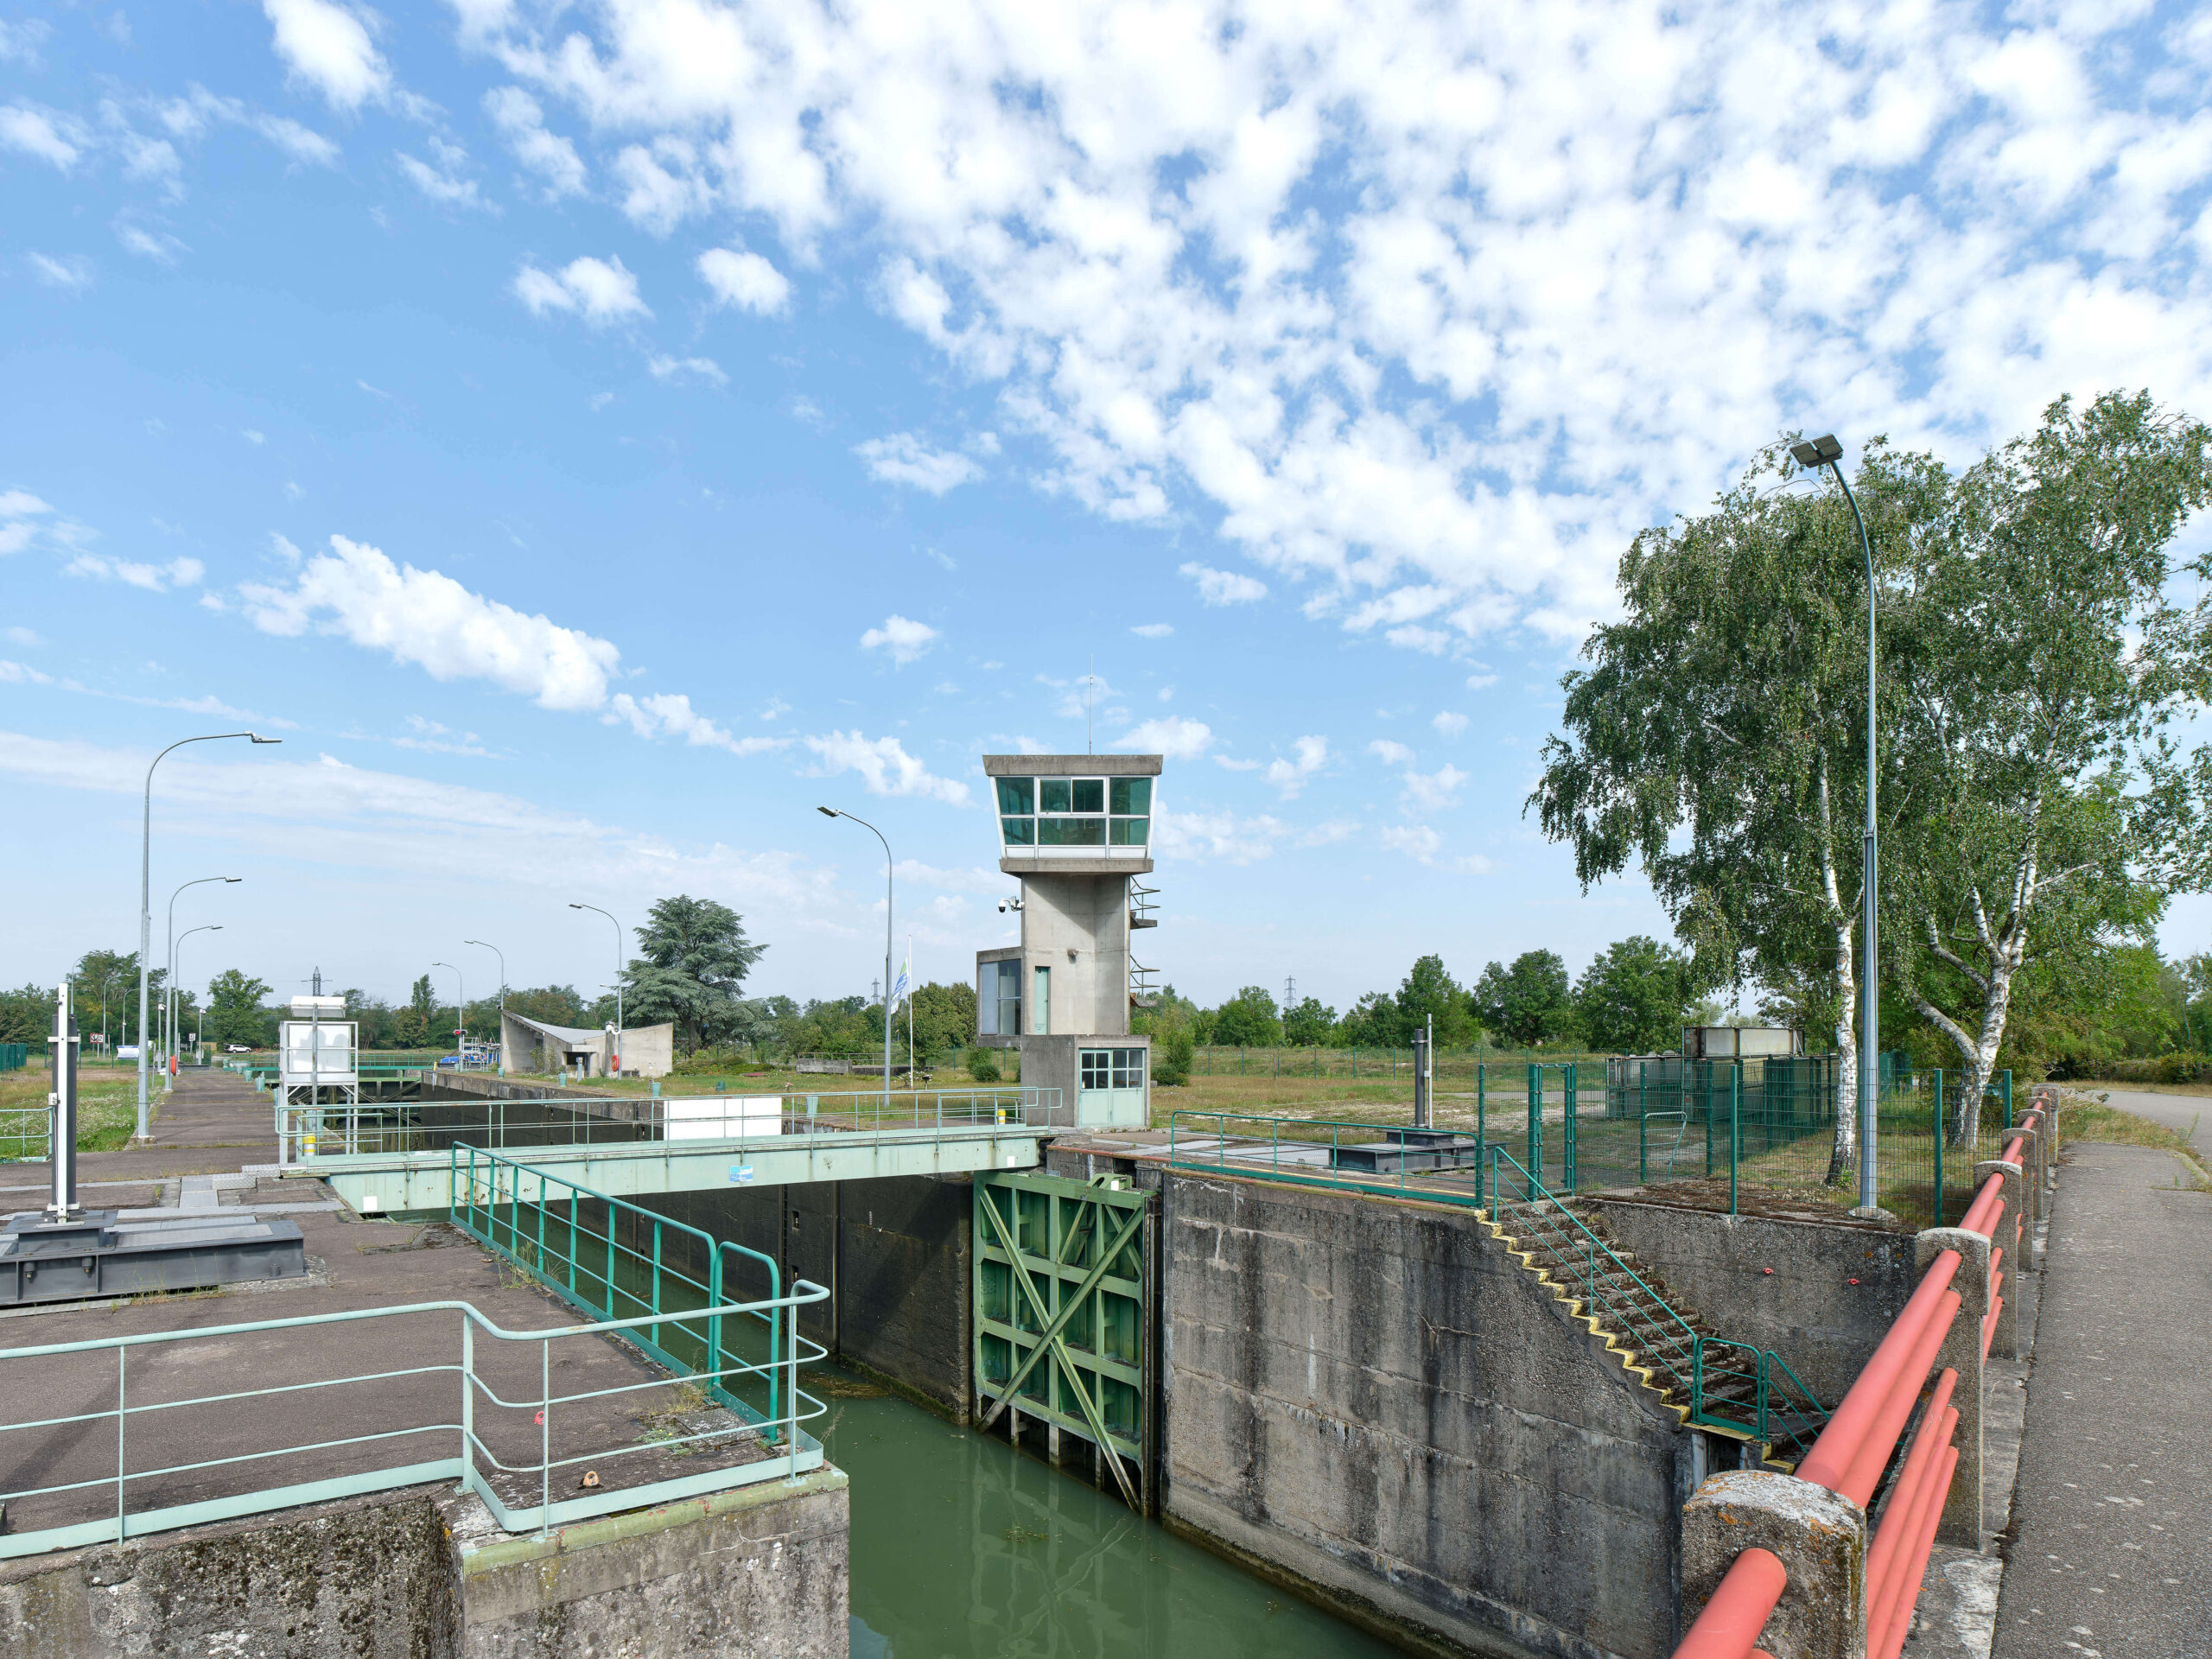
961 1546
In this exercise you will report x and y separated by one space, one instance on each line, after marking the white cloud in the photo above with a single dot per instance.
21 674
442 183
602 291
19 42
1473 864
1289 777
36 133
154 578
902 458
1152 630
1176 738
1448 301
1481 682
1415 841
330 48
301 144
17 635
551 157
677 368
1230 763
1390 752
1199 835
1224 587
903 637
884 766
672 715
162 248
978 882
662 186
744 280
432 622
1448 724
73 272
1433 792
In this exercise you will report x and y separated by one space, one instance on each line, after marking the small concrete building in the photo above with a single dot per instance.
527 1044
1076 830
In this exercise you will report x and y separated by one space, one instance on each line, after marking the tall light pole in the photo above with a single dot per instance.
146 898
169 990
175 946
1818 452
502 956
832 812
460 1017
614 1057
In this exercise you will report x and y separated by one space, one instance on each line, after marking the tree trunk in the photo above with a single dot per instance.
1843 1158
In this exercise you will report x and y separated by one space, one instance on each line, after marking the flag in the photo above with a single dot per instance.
903 987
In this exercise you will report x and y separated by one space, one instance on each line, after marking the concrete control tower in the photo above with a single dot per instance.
1076 830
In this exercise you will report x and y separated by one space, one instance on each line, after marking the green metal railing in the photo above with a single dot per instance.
614 1260
26 1135
389 1405
370 1128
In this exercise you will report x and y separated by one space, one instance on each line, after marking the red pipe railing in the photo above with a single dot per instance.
1730 1625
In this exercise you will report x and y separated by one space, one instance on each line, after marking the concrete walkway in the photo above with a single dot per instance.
2111 1553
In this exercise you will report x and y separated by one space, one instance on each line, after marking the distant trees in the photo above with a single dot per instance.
1248 1019
696 959
1632 999
1310 1025
234 1011
1530 1004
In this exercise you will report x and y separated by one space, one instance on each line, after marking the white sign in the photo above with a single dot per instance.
722 1118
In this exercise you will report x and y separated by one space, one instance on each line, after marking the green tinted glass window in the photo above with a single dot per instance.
1052 795
1071 832
1015 796
1019 832
1132 797
1089 795
1128 832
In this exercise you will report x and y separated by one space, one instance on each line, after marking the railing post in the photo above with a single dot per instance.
1536 1122
121 1417
1821 1538
467 1398
1962 1523
1937 1139
2013 1237
1642 1130
1735 1129
1566 1147
545 1435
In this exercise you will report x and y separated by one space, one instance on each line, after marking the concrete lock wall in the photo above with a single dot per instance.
424 1575
1380 1403
894 1256
1780 1284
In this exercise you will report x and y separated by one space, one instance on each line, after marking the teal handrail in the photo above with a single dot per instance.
484 1183
469 1463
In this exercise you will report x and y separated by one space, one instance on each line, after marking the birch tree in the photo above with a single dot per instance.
2045 652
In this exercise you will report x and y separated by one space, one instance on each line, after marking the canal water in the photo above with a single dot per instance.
963 1546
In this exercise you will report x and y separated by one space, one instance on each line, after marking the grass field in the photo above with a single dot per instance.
107 1110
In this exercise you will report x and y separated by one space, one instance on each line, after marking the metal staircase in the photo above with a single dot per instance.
1712 1381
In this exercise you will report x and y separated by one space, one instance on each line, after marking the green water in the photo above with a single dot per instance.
963 1546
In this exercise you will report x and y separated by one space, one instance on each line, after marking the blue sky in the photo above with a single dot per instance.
592 435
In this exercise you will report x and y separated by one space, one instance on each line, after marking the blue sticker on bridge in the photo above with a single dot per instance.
741 1171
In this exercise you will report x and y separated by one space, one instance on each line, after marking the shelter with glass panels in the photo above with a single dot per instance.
1075 832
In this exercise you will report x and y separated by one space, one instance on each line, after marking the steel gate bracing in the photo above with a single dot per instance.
1063 1315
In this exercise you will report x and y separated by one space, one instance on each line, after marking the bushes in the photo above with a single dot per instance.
1171 1055
2162 1068
982 1065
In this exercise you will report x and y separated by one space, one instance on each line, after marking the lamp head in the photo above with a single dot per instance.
828 812
1816 452
258 738
234 879
573 905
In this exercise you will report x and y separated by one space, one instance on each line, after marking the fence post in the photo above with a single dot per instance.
1535 1122
1481 1126
1707 1064
1938 1140
1735 1130
1566 1147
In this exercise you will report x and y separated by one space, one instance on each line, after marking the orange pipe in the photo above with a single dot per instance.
1924 1448
1832 1454
1866 1471
1987 1205
1742 1602
1892 1639
1989 1325
1925 1498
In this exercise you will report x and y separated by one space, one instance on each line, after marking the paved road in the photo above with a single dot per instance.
2112 1554
2183 1114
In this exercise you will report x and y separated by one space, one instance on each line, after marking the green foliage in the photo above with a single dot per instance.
983 1064
1631 1000
1429 993
234 1011
1248 1019
1310 1025
696 959
943 1017
1173 1047
1374 1022
1530 1004
27 1015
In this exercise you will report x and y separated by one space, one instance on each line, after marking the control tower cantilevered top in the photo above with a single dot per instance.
1076 831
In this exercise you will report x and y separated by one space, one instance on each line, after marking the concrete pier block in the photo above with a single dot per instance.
1961 1525
1822 1538
2016 1236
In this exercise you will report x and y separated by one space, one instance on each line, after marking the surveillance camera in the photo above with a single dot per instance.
1001 906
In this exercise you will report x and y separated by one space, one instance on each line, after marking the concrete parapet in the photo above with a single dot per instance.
1961 1525
1822 1538
2015 1236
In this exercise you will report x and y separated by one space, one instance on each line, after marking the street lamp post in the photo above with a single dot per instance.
502 956
1818 452
460 1017
832 812
614 1058
177 945
169 990
146 899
